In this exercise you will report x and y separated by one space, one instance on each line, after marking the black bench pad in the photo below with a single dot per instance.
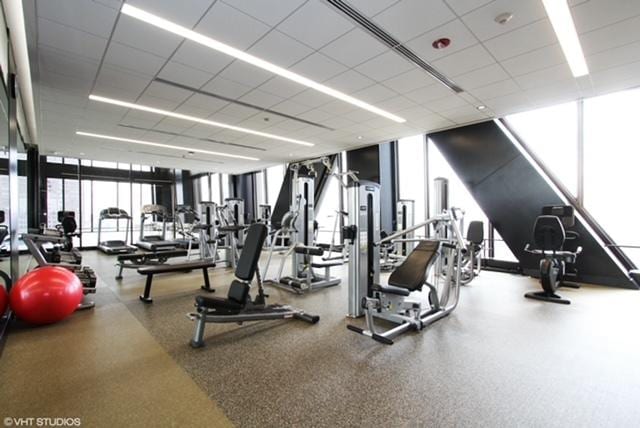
176 267
152 256
217 303
326 264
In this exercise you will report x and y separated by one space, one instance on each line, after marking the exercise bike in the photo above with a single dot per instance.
549 238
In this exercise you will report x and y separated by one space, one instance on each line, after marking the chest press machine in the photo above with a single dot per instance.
435 263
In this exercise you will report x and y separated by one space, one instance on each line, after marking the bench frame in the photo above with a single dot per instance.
146 296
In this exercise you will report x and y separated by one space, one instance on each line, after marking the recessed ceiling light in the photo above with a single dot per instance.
481 107
165 146
186 33
195 119
441 43
359 137
562 22
503 18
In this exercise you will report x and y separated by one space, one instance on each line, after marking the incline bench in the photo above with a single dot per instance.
152 270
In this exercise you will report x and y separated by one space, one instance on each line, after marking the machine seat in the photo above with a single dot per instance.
326 264
412 273
308 250
390 289
218 303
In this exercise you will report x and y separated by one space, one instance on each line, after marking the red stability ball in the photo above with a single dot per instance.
4 300
46 295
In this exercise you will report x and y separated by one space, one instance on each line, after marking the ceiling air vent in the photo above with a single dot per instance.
390 41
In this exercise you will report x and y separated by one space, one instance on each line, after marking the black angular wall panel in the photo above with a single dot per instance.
511 192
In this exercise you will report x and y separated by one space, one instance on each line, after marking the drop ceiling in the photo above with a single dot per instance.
79 47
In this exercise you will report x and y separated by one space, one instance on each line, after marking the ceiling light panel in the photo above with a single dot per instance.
562 22
186 33
162 145
187 117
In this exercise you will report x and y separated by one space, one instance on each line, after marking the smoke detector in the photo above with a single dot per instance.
503 18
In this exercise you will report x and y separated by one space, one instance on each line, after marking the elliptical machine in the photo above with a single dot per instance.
549 238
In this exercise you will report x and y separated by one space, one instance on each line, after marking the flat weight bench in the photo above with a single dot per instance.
138 260
152 270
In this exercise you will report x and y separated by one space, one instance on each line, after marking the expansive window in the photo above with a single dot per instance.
329 210
411 173
261 196
275 177
611 154
552 134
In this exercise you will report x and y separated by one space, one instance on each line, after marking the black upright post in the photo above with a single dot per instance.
33 187
13 173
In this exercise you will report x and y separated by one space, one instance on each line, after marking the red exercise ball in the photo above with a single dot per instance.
46 295
4 300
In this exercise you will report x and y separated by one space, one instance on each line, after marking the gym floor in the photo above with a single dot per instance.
498 360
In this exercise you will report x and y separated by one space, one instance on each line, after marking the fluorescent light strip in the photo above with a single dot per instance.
195 119
164 146
562 22
181 31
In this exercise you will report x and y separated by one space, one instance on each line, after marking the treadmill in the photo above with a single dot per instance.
115 246
155 243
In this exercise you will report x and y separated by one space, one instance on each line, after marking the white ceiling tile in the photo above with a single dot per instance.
140 35
385 66
614 57
261 98
455 30
87 16
291 107
311 98
202 103
534 60
397 103
464 61
318 67
611 36
315 115
371 7
279 49
410 18
337 107
460 7
543 77
133 60
124 83
168 124
185 13
70 40
482 21
269 12
246 74
342 49
415 113
166 92
374 94
446 103
315 24
238 111
481 77
177 72
522 40
495 90
508 104
409 81
226 87
429 93
228 25
154 101
282 87
67 63
350 81
594 14
554 92
201 58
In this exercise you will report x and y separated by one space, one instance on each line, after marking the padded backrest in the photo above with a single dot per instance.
548 233
1 216
475 233
253 242
69 225
238 292
563 212
412 273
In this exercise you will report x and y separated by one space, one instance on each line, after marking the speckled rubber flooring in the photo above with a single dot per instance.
498 360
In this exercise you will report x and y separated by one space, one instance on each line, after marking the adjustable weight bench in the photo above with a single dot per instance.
152 270
238 306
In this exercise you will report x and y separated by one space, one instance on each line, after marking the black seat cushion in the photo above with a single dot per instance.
392 290
412 273
548 233
218 303
176 267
